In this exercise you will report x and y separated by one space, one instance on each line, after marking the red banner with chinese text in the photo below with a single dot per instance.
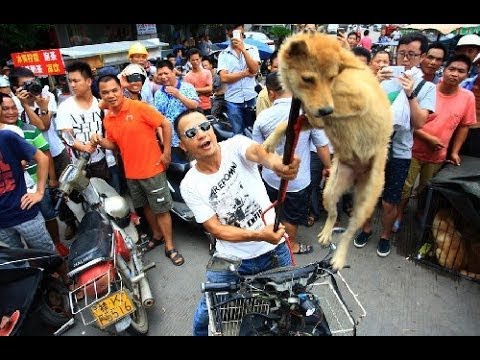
41 62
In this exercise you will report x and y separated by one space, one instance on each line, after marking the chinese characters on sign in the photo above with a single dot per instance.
146 29
41 62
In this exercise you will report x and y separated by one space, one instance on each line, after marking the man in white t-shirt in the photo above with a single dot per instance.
81 116
226 194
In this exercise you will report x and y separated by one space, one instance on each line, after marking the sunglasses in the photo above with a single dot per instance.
191 133
134 78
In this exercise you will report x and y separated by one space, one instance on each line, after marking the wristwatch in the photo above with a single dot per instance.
412 96
43 112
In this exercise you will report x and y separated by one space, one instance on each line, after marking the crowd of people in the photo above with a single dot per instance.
134 122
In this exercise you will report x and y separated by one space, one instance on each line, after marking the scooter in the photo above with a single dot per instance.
32 300
105 261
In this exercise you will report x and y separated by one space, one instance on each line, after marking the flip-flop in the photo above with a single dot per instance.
303 249
153 243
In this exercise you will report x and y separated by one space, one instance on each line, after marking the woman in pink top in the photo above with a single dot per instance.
366 41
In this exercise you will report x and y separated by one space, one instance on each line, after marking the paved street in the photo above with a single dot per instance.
400 296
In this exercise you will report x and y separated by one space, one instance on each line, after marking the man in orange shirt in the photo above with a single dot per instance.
201 79
131 127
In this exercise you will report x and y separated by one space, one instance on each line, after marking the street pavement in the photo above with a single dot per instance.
400 296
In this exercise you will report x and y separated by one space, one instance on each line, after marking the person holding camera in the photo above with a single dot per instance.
40 110
237 66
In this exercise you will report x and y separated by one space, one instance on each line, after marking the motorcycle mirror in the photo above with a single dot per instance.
68 138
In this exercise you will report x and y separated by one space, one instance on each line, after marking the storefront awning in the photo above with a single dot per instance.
112 53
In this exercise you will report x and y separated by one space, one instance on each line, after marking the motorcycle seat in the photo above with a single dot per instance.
93 242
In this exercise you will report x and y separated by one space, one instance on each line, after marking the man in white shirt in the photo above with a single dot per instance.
226 194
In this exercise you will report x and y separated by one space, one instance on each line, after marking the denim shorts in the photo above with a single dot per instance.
295 205
47 207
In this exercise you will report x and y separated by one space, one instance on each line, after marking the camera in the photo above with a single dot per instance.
33 86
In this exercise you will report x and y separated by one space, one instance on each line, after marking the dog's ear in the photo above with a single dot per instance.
297 49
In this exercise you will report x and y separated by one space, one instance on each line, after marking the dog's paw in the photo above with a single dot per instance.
338 261
325 237
269 145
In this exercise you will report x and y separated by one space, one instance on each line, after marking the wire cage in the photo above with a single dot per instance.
450 241
225 316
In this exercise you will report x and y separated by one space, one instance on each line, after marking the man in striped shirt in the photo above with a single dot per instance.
10 115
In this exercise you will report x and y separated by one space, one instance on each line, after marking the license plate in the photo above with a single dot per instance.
112 308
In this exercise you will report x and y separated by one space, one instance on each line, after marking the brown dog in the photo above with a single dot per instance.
342 95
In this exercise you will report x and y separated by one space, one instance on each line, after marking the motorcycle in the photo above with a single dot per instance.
286 301
32 299
105 260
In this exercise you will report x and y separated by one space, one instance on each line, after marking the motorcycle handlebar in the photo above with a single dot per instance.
223 286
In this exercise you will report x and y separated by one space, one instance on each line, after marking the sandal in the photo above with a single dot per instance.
153 243
176 258
303 249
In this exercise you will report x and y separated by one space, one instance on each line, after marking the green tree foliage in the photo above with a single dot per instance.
279 33
21 37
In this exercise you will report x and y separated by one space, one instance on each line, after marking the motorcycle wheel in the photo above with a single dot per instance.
54 308
139 325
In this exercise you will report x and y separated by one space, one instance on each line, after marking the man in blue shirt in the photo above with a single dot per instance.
237 66
19 212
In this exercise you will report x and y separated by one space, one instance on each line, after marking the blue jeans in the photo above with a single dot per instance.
248 267
316 168
240 115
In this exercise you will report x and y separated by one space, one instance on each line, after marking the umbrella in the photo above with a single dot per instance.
263 49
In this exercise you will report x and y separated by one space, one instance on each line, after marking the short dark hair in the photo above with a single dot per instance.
164 63
272 82
352 33
82 67
361 51
182 115
273 56
3 96
230 27
193 51
459 57
415 36
17 73
439 45
106 78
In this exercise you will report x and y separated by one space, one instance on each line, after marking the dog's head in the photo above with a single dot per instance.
309 65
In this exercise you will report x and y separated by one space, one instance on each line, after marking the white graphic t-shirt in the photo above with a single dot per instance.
84 122
235 193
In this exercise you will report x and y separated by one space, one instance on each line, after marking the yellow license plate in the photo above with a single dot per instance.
112 308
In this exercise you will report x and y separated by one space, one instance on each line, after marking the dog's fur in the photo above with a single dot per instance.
340 94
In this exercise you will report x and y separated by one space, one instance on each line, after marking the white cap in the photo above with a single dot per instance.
470 39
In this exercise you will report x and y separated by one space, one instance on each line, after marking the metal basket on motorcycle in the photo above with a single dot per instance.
291 301
94 270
